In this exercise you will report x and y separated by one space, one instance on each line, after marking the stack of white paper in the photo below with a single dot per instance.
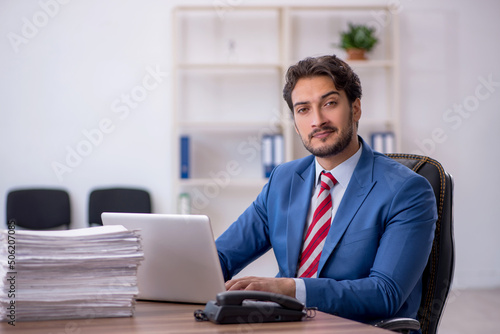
80 273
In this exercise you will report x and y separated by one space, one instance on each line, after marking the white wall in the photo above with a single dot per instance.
451 113
68 80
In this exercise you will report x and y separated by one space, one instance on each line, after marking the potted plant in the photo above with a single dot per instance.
358 40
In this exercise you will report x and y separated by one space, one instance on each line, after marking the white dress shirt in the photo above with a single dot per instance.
342 173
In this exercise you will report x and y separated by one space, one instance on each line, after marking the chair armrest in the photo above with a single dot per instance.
401 325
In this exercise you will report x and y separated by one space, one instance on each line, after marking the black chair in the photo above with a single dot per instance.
438 273
39 209
117 200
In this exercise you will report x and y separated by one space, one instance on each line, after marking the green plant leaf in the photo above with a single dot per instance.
359 37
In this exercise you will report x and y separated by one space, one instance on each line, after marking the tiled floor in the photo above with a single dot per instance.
471 312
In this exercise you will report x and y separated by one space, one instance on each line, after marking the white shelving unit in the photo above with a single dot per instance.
229 68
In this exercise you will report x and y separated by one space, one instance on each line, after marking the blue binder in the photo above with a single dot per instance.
184 157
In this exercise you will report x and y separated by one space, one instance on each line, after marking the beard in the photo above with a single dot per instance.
343 141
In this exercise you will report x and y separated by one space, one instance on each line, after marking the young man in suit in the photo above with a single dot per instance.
354 243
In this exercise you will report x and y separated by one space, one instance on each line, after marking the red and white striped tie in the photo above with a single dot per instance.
318 230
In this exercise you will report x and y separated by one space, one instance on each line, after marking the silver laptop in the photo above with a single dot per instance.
180 263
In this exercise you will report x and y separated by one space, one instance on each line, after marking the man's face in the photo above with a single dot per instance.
323 117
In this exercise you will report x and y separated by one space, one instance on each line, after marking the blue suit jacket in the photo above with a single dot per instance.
377 246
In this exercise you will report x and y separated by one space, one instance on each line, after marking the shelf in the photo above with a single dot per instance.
228 66
367 121
370 63
228 127
263 66
292 7
247 183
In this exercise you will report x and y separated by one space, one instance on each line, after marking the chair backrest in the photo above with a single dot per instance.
39 209
117 200
438 274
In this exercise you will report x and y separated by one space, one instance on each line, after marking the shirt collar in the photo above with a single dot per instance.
343 172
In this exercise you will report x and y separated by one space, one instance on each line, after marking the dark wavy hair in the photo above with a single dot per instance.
342 75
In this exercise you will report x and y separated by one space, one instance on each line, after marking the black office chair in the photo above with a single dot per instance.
39 209
117 200
438 273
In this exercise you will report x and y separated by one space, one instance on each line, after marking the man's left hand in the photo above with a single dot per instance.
281 285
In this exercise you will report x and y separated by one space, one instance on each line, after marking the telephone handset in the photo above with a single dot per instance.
233 307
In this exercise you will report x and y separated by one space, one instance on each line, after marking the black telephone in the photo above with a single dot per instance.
236 307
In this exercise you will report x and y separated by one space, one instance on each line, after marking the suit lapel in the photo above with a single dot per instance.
299 200
358 189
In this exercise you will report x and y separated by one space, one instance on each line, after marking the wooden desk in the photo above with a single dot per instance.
155 317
